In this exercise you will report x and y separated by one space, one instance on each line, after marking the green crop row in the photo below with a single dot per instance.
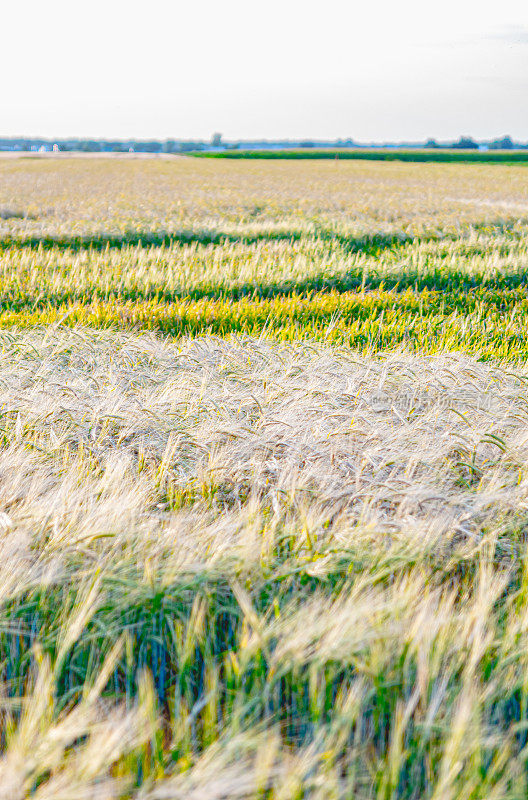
432 156
426 293
487 325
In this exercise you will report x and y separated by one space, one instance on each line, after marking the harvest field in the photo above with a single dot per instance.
263 480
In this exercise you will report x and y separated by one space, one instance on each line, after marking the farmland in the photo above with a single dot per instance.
263 479
438 155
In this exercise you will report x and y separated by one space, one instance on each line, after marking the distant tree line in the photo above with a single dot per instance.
467 143
32 144
100 145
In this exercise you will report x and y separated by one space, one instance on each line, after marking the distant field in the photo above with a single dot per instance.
432 155
263 480
374 256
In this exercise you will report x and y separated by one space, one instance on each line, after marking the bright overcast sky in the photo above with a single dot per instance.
373 70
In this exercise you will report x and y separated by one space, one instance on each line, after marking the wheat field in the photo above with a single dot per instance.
263 480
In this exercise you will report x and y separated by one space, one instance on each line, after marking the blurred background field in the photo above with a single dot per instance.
263 479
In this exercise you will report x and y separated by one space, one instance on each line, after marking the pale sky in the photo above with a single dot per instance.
373 70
